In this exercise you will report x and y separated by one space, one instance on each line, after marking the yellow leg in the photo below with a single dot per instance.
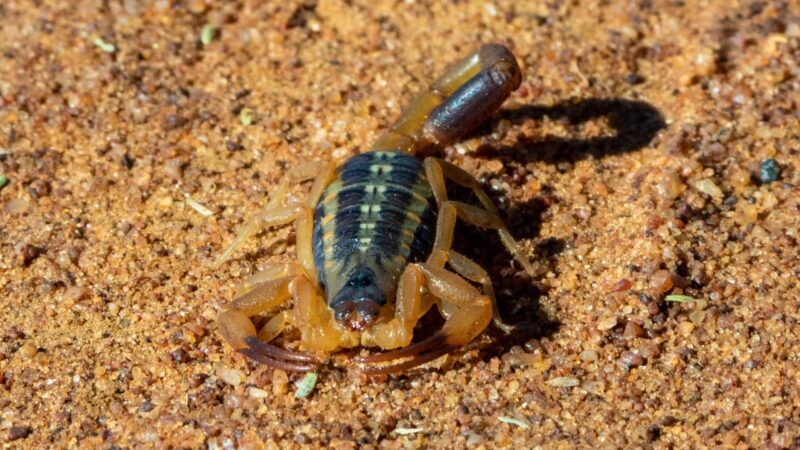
470 270
291 268
318 330
437 171
274 214
238 330
264 219
467 314
304 246
234 321
410 305
468 311
442 252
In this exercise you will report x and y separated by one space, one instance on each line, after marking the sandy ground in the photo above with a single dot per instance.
628 163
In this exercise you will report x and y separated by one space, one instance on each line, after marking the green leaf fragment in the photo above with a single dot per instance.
3 181
246 116
678 298
103 45
513 421
208 33
306 385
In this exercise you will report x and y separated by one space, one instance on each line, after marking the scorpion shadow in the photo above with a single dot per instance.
635 123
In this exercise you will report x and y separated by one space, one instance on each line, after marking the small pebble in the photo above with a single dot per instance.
631 360
607 323
280 382
563 382
709 188
257 393
622 285
230 376
661 281
78 293
232 402
649 350
180 356
28 350
633 330
686 328
16 206
769 170
588 355
19 432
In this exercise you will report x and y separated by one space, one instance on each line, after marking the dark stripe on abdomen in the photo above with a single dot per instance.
381 204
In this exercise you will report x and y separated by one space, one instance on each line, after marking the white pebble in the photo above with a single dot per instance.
230 376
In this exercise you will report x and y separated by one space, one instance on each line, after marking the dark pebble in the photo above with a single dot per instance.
198 379
622 285
174 121
180 356
668 421
633 330
19 432
769 171
653 433
631 360
233 146
146 406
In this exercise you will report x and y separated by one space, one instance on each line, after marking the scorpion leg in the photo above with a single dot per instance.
466 95
237 328
458 262
318 329
397 332
273 214
472 271
291 268
410 305
438 170
467 310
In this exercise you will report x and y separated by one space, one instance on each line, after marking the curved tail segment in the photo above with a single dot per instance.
466 95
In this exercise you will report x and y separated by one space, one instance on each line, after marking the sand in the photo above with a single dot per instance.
665 309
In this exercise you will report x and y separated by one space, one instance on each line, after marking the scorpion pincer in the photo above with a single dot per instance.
374 240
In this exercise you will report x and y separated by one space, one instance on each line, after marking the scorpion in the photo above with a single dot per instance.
374 238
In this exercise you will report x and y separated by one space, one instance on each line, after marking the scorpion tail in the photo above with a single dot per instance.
466 95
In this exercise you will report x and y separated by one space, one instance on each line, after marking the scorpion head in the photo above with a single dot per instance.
358 304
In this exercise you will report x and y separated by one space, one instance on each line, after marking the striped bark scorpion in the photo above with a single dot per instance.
374 238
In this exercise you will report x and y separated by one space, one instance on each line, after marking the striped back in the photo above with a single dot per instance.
377 215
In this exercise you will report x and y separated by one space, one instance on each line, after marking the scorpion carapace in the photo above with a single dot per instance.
374 239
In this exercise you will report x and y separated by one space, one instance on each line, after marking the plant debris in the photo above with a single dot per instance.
306 385
207 34
406 431
513 421
197 206
103 45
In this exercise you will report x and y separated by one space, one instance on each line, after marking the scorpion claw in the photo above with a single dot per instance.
416 360
277 357
412 350
419 353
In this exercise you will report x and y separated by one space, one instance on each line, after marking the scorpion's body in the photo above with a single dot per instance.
375 217
374 239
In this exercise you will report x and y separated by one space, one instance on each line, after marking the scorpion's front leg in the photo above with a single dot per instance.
467 310
238 330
